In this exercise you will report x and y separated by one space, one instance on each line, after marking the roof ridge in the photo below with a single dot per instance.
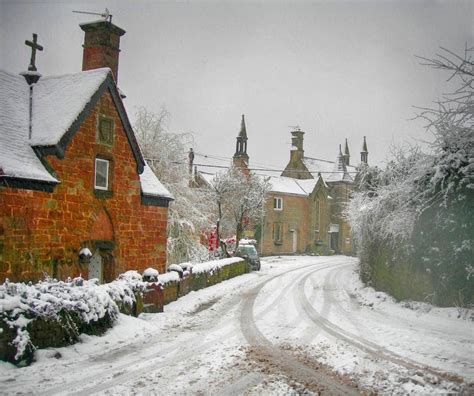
319 159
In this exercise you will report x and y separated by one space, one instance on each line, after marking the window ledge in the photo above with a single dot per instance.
103 193
278 242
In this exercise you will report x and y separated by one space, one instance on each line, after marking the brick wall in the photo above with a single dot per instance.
43 232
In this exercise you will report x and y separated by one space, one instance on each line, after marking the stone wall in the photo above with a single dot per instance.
293 216
44 231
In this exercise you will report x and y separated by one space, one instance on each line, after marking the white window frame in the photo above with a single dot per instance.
277 206
98 160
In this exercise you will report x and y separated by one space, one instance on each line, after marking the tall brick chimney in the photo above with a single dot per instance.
101 46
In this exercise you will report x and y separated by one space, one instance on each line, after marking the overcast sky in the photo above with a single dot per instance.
337 69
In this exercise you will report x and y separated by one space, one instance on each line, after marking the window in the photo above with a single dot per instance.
277 232
278 203
105 131
101 179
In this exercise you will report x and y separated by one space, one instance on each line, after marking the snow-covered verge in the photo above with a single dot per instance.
61 309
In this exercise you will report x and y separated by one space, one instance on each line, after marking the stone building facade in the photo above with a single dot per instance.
305 205
76 195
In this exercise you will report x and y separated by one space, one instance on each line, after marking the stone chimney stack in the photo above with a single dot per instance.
101 46
297 152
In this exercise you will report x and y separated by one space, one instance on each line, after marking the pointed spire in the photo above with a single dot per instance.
346 154
364 146
340 170
243 129
241 159
241 144
364 154
340 163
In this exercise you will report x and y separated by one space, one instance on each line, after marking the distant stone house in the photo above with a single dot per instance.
305 205
76 195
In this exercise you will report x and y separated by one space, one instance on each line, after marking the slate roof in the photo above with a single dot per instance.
60 103
330 171
17 158
288 185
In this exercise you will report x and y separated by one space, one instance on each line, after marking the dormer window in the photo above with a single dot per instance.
278 203
101 179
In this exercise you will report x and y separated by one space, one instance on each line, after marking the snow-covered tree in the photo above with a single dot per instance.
417 215
190 211
239 201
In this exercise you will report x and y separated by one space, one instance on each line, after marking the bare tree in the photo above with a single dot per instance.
239 200
190 213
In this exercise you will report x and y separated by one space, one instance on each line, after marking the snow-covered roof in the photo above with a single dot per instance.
207 177
58 102
17 158
288 185
151 186
330 170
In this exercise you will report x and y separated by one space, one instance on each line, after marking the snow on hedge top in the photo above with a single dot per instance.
212 266
172 276
17 159
89 299
151 185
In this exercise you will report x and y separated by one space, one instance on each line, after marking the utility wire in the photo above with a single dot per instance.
252 169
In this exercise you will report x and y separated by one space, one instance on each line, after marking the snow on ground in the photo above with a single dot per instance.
280 330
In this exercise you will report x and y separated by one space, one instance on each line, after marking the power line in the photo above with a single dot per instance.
251 169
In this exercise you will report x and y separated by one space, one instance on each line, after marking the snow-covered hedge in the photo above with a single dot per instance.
413 222
53 313
213 266
75 305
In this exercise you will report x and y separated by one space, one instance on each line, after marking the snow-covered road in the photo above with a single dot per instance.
300 324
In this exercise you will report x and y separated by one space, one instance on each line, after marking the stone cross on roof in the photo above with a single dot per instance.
34 46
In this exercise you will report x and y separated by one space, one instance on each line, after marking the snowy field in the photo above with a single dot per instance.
300 325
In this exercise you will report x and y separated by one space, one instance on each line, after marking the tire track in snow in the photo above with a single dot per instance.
146 362
367 346
289 365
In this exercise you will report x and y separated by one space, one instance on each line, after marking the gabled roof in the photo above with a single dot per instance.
59 100
59 106
288 185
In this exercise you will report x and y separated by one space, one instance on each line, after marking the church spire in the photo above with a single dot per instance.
241 144
346 156
241 159
243 129
364 154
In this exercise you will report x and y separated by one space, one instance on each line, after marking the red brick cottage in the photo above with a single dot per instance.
76 195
